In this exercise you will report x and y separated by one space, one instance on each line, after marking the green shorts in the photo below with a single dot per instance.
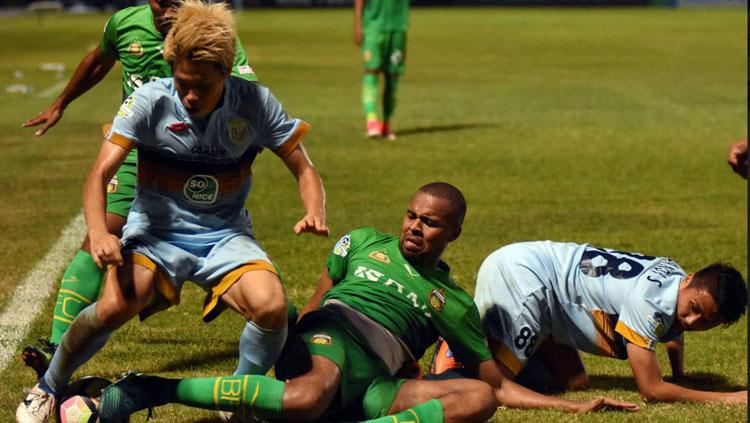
385 51
121 188
367 390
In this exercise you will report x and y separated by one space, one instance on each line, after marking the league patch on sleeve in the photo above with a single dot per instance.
126 109
245 70
656 324
342 246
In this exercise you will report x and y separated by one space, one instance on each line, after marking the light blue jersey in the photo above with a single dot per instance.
189 215
589 298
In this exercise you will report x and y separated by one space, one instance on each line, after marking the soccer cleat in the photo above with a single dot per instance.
38 406
387 133
130 394
38 356
443 359
374 128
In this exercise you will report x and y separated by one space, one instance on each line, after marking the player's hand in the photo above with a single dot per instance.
48 118
105 249
604 403
737 157
315 224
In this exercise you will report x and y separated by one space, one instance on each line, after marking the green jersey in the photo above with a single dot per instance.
131 37
386 15
415 304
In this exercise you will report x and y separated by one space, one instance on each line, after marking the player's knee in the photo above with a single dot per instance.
114 311
304 404
484 401
270 313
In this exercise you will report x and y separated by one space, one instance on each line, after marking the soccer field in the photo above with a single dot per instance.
607 126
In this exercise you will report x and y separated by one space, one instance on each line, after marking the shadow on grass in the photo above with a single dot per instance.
699 380
441 128
200 359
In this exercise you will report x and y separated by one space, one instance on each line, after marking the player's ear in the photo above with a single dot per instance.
456 232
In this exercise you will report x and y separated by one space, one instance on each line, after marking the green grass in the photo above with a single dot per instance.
607 126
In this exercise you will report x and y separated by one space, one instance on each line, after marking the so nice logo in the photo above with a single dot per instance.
201 189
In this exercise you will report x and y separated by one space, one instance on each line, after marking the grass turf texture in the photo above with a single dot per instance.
607 126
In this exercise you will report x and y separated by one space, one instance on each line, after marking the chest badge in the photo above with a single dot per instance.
239 131
379 256
135 48
201 189
437 299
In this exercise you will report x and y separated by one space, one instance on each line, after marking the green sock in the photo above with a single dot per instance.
430 411
81 284
370 96
389 97
260 396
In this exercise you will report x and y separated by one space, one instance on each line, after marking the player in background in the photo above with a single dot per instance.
541 302
381 301
197 136
135 37
737 157
380 29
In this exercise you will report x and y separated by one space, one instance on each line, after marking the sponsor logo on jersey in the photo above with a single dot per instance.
209 151
113 185
342 247
375 276
396 57
321 339
379 256
135 48
245 70
367 55
126 109
413 273
239 131
201 189
656 324
437 299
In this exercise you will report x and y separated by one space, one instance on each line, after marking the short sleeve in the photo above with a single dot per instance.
241 67
281 133
108 45
467 340
338 258
641 323
132 119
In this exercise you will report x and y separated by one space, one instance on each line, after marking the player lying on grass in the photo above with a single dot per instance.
135 37
543 301
197 136
381 301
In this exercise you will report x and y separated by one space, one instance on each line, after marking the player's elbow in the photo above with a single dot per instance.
649 393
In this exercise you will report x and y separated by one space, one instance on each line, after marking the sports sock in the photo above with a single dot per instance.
260 395
85 337
370 96
259 348
389 97
429 411
81 284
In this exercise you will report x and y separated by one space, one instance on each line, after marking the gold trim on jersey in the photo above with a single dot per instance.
504 355
633 336
120 140
294 140
211 304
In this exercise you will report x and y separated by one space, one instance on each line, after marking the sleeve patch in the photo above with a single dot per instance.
126 109
342 246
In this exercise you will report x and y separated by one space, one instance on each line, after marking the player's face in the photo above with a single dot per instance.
200 86
427 229
696 309
163 10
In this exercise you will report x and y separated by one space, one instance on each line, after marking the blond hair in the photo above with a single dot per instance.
202 32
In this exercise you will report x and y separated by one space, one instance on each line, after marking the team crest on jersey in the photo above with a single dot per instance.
113 185
437 299
135 48
367 55
321 339
239 130
126 109
379 256
656 324
201 189
397 57
342 247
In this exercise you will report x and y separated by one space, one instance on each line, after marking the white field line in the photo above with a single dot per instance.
31 294
49 92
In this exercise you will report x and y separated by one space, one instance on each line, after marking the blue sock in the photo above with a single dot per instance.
259 348
84 338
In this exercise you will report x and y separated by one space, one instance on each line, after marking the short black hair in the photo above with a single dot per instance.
448 192
727 287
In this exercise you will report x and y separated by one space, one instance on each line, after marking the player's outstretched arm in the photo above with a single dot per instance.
513 395
676 354
105 247
310 191
89 72
652 386
358 6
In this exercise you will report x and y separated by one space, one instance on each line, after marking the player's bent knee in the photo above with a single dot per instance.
270 313
303 404
485 403
115 312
